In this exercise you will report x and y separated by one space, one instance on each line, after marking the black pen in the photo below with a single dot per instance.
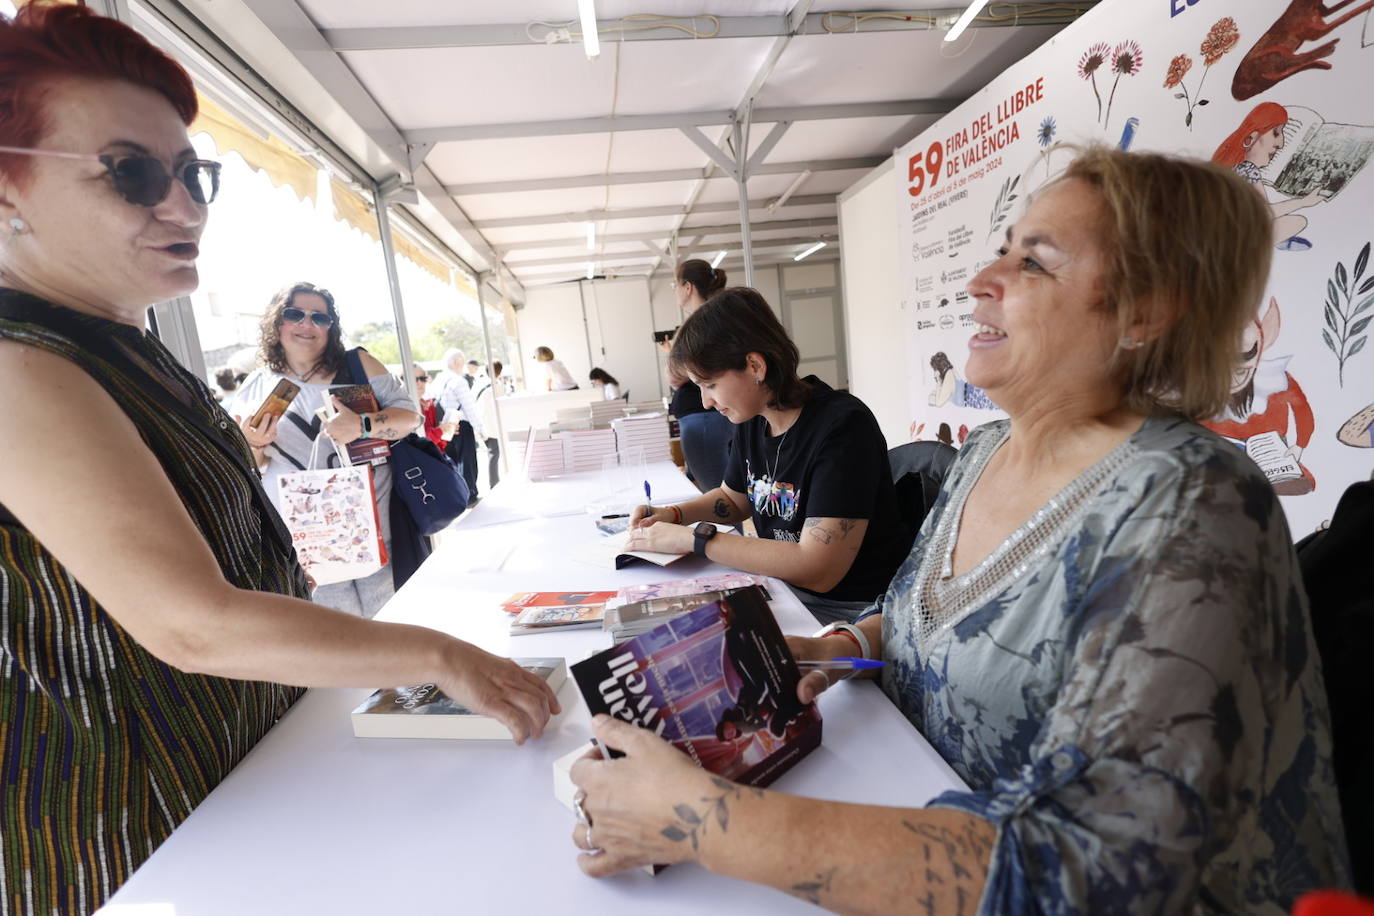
618 515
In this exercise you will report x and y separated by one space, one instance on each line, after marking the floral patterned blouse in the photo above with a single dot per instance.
1128 685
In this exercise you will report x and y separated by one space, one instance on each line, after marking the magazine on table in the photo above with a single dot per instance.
423 711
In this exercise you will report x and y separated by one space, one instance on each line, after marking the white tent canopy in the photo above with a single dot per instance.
514 141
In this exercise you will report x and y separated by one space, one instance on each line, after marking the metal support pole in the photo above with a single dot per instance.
502 441
741 139
397 307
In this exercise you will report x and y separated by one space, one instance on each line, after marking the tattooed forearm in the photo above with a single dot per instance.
810 891
812 526
955 855
691 824
722 509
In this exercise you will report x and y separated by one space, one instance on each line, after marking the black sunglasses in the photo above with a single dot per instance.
422 378
296 316
143 180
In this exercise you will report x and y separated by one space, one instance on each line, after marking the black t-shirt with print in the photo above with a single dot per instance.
832 463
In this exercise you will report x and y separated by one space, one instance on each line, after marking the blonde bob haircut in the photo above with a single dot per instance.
1186 246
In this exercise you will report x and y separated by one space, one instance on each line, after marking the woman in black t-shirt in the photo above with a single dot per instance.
809 465
705 433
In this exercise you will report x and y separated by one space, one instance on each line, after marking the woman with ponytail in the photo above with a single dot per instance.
705 433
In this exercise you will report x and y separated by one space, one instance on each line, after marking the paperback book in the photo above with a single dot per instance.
522 600
360 399
692 586
570 617
423 711
629 620
718 682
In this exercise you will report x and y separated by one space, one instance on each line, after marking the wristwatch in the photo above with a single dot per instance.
367 425
702 533
848 629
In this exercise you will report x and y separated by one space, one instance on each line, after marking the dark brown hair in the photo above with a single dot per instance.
45 42
704 278
719 336
270 350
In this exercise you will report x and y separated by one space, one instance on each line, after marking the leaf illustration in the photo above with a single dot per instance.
1364 304
1329 345
1361 261
1365 287
674 834
1331 292
1359 345
1002 206
1341 277
1188 121
1331 318
1179 95
1360 326
685 813
1203 101
722 816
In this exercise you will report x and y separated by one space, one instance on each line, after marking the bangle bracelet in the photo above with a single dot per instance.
677 515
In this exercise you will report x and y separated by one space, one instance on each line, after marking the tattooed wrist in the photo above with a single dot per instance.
709 816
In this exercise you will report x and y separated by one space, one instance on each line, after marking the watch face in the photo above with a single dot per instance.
705 530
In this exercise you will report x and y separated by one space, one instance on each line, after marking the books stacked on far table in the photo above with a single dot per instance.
584 450
543 456
646 431
543 611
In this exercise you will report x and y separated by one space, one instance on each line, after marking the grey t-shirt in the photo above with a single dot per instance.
299 429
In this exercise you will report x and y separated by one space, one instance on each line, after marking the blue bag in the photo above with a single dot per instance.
428 483
432 489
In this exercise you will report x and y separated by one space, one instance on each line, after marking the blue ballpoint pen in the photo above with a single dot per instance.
844 663
648 497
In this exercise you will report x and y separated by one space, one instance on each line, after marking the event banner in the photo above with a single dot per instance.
1277 90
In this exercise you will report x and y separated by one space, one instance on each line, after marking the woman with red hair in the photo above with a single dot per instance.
153 617
1249 150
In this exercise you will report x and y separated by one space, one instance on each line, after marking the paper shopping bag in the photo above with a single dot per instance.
332 516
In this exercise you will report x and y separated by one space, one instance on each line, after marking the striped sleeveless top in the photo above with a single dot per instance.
103 748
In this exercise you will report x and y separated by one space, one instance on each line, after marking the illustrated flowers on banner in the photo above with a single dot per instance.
1045 136
1221 38
1088 65
1127 59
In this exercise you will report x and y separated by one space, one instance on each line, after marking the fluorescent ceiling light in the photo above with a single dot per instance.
810 251
791 189
591 269
955 30
720 256
591 236
590 40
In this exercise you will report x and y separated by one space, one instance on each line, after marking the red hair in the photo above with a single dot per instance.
46 42
1265 117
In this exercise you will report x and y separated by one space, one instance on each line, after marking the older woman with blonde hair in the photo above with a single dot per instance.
1100 627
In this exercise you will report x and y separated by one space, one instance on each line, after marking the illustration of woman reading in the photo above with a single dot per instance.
1249 150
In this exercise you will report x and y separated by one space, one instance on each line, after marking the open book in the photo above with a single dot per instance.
1318 155
610 552
1270 452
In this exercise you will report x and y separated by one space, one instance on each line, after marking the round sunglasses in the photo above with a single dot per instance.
297 316
141 179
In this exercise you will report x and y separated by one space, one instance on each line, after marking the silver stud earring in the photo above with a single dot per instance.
17 225
758 382
1130 343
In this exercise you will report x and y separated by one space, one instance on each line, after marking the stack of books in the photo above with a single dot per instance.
646 431
584 450
606 411
544 456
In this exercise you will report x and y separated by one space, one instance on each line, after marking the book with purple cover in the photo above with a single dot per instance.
718 682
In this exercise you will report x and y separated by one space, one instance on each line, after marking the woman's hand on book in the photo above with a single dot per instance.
651 807
644 516
344 426
661 538
498 687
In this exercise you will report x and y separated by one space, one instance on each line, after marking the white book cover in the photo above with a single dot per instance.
423 711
